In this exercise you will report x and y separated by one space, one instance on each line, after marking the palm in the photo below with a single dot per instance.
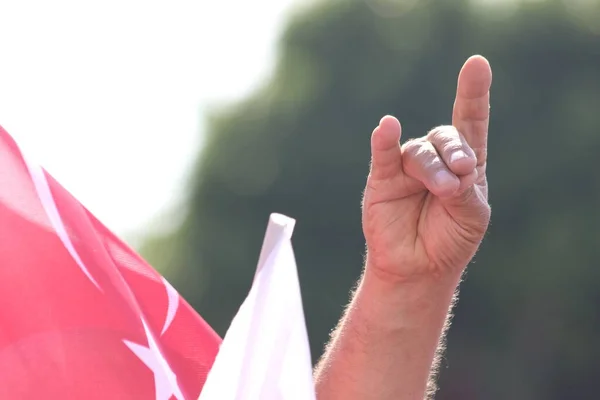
423 238
413 223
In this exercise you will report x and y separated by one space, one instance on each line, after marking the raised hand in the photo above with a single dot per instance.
425 207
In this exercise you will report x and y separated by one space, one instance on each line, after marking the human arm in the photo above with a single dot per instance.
385 345
425 212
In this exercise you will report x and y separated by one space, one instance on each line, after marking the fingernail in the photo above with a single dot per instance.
443 177
457 155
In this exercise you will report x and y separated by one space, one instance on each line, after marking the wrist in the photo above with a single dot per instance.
406 303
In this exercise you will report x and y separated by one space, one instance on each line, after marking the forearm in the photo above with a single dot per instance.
385 346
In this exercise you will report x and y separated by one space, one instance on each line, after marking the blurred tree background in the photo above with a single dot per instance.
528 320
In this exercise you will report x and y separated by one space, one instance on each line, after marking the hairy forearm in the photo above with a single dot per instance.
388 342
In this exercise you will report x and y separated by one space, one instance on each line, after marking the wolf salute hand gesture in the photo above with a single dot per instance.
425 212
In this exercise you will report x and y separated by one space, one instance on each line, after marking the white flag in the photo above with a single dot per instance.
265 353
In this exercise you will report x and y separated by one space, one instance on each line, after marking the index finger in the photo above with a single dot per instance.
471 114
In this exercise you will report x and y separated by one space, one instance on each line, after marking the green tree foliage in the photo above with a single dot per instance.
529 316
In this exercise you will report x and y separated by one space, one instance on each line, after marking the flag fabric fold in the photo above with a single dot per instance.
265 353
83 316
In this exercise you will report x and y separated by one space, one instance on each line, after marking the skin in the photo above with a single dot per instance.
425 212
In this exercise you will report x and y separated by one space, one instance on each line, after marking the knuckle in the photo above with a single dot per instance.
446 139
453 146
442 134
412 148
412 142
420 156
427 155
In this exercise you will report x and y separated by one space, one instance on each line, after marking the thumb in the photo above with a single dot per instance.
386 155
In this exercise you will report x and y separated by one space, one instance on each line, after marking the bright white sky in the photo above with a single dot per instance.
108 95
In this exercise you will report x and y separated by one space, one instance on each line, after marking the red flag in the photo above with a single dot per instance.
82 316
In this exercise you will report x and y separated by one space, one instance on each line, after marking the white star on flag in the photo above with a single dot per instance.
165 380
